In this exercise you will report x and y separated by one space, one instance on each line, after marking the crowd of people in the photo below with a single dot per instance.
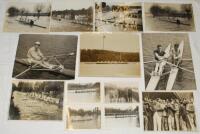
169 114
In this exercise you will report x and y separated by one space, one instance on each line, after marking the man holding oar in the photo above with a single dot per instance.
35 56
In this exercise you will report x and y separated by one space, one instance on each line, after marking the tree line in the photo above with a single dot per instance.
83 86
185 12
82 112
94 55
111 111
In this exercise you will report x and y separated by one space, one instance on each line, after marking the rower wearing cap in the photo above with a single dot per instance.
159 55
35 56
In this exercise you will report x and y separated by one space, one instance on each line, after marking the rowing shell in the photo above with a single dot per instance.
153 82
174 70
67 72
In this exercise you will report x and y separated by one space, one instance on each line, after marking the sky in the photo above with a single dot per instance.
71 4
174 6
133 84
28 5
120 42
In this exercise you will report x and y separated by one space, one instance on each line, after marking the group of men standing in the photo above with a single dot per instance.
169 115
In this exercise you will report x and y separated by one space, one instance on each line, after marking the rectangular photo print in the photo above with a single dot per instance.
109 55
27 16
83 92
42 56
83 117
168 63
116 16
169 17
121 92
169 111
36 100
120 117
72 16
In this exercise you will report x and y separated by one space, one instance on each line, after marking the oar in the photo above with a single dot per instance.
179 67
26 70
149 62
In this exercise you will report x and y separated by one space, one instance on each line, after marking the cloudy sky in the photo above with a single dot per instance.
120 42
71 4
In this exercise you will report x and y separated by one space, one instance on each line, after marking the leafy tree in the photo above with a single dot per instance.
38 8
12 11
155 10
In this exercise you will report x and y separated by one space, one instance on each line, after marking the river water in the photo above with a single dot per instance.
110 70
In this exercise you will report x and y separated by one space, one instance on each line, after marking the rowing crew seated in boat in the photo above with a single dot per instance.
36 57
161 56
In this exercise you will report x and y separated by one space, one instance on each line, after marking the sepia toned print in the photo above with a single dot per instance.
168 62
109 54
36 100
41 56
27 17
117 16
169 17
84 117
122 117
71 16
169 111
121 92
83 92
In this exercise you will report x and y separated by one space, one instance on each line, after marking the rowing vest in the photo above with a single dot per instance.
162 53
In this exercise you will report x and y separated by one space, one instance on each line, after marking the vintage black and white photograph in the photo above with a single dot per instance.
121 92
168 63
85 117
109 55
83 92
112 16
169 17
72 16
122 117
27 16
169 111
36 100
42 56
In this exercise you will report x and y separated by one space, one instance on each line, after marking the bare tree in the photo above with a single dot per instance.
38 8
21 11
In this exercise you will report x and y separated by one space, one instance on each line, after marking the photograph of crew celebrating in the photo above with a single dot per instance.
168 62
41 56
169 111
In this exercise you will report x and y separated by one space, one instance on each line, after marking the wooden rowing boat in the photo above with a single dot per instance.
67 72
154 80
174 70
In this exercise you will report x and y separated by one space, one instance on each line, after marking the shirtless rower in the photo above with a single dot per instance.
159 57
176 57
35 56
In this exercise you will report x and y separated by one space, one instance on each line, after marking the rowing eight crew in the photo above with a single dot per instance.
36 57
160 57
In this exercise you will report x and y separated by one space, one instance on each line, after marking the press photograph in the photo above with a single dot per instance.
116 16
36 100
168 63
109 55
121 92
85 117
27 16
169 17
169 111
118 117
83 92
44 56
72 16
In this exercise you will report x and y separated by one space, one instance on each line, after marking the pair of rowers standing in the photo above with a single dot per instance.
160 56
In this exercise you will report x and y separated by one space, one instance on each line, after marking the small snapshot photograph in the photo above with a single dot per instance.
72 16
121 92
83 92
109 55
169 17
27 16
169 111
85 117
44 56
122 117
118 17
36 100
168 62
